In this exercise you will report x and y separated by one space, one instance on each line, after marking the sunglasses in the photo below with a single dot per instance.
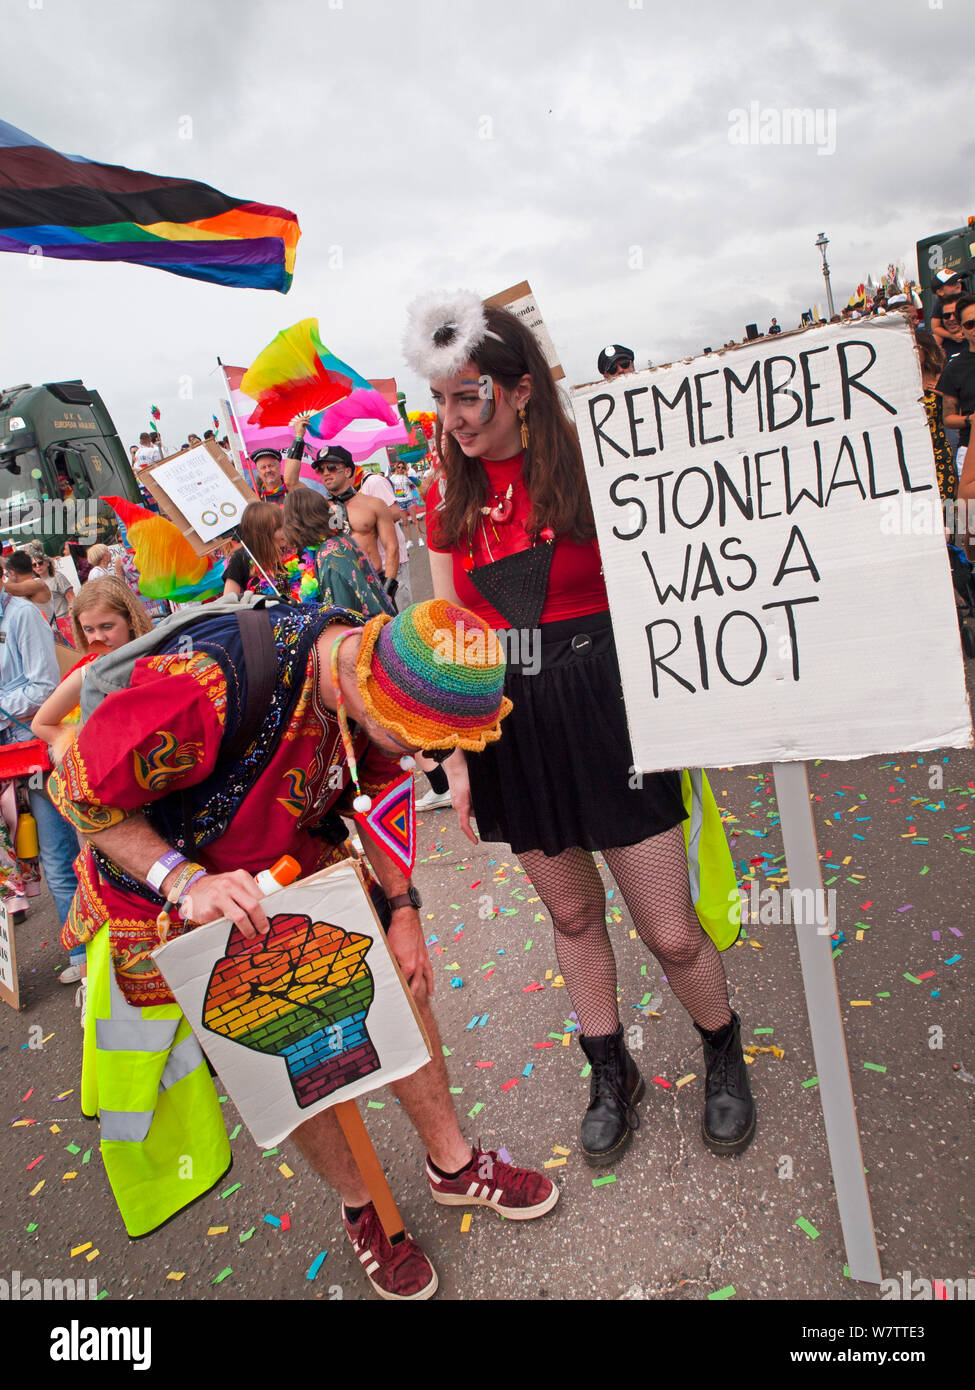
968 324
622 366
332 467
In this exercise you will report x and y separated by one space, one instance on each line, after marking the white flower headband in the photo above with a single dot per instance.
443 332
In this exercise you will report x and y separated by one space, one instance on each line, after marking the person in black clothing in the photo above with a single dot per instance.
614 361
957 383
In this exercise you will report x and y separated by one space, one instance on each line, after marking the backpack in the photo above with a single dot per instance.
113 671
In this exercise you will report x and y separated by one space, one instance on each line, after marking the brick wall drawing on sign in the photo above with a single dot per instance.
301 993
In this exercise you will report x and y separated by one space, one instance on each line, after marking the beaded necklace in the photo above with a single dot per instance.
392 822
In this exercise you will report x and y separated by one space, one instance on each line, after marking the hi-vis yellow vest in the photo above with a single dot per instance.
714 887
163 1139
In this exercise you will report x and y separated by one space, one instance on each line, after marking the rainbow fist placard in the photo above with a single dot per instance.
301 993
313 1013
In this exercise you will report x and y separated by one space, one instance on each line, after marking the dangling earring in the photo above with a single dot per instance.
524 428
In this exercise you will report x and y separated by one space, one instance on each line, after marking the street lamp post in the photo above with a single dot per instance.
822 241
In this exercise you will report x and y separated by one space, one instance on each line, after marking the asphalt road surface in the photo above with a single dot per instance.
675 1222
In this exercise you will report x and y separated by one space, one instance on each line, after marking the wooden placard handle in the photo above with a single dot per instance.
357 1138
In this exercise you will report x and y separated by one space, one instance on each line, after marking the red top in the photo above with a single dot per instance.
575 586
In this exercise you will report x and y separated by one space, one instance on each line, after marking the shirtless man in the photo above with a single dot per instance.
369 519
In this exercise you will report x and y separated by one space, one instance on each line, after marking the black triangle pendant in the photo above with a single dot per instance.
516 585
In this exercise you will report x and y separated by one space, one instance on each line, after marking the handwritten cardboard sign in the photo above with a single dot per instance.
9 984
771 538
520 301
201 492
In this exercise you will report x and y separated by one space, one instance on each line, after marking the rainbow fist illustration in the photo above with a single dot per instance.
302 993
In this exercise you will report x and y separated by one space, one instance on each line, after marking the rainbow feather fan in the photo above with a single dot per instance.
297 373
168 566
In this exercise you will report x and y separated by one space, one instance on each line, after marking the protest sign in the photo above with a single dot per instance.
9 986
770 531
520 301
201 492
312 1014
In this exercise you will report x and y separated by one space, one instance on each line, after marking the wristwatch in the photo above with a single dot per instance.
410 898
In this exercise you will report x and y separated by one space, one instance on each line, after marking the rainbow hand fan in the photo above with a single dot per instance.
168 566
296 373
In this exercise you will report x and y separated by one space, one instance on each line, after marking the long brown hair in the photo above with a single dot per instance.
258 523
118 598
553 472
931 352
309 519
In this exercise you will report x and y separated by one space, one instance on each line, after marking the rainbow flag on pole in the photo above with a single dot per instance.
73 208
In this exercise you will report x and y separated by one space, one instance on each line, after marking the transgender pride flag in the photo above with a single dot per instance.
362 437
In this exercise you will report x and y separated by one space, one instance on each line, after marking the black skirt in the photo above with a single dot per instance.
562 772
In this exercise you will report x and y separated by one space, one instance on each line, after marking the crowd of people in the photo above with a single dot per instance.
537 756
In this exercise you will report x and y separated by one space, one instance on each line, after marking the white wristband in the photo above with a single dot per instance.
164 865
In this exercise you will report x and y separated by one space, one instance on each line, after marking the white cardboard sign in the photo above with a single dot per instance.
771 539
312 1014
202 492
9 985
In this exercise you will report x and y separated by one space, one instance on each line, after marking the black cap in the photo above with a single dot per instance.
610 356
334 453
261 453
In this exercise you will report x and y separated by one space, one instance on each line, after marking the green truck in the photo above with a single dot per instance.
952 250
59 454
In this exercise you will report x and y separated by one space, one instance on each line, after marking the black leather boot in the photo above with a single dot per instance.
615 1087
729 1110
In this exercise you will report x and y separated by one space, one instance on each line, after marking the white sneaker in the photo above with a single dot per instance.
433 800
409 545
70 975
421 545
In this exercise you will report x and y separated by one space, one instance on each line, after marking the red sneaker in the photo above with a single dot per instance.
520 1194
399 1271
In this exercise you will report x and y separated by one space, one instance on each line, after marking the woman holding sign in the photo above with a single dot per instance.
512 537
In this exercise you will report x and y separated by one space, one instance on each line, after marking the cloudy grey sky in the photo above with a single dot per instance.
580 144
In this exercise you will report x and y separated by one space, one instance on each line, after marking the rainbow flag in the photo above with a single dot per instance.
76 209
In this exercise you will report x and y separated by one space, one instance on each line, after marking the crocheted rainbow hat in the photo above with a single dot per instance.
433 676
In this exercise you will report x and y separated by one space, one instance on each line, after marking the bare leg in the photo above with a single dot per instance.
323 1144
426 1098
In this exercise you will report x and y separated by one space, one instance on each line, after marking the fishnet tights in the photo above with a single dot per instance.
652 877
